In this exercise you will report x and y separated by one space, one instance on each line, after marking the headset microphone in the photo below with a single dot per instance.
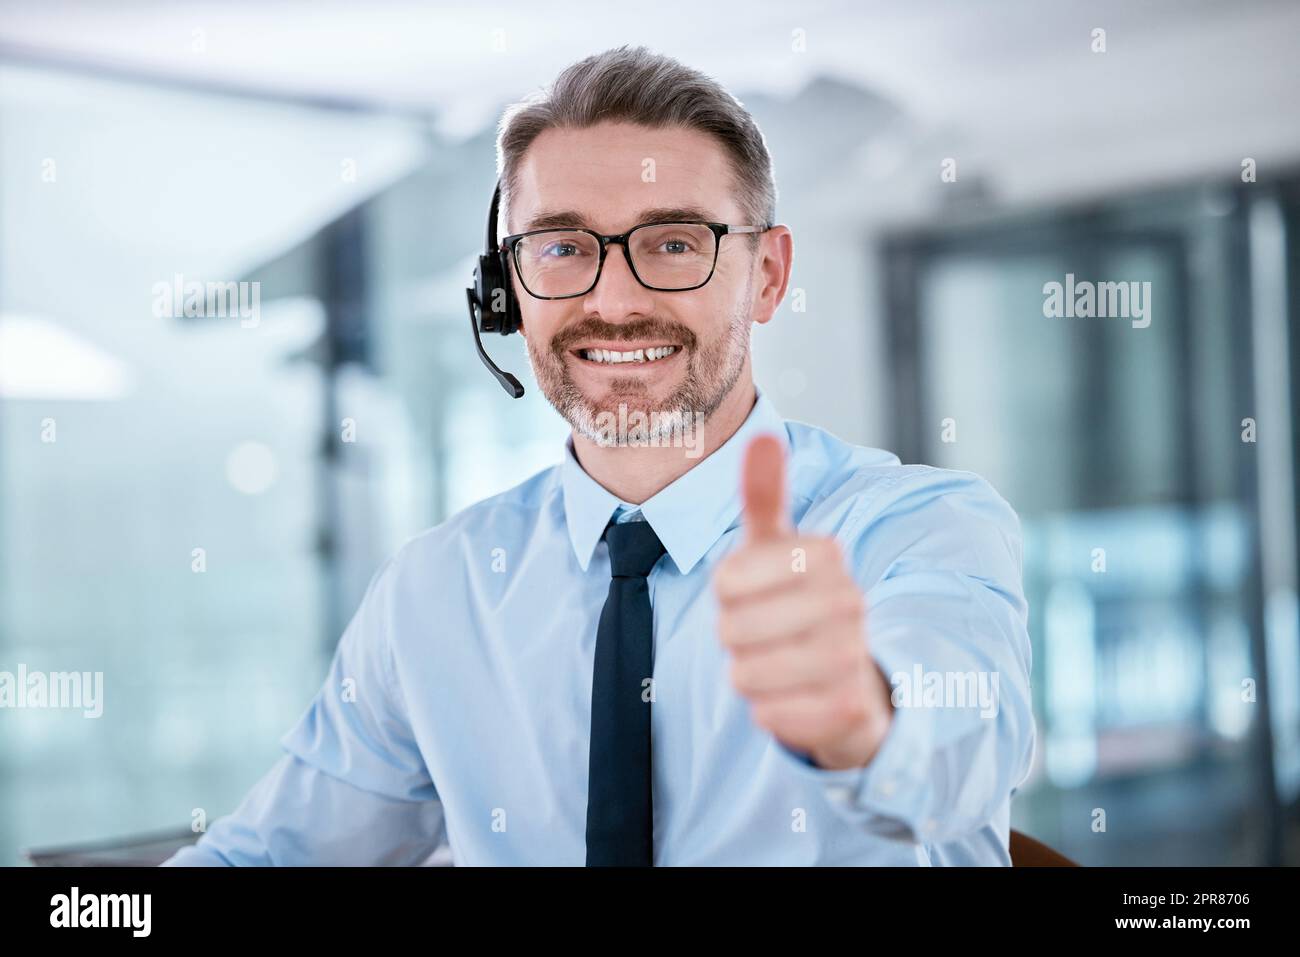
492 304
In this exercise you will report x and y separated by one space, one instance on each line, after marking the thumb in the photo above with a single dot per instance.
763 489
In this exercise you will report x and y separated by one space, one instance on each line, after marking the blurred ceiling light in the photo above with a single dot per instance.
251 468
39 359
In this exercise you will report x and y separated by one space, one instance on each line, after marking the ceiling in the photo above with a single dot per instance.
1185 87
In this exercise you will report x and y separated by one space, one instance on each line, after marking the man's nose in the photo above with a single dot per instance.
617 292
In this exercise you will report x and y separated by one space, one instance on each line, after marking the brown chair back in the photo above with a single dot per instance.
1026 852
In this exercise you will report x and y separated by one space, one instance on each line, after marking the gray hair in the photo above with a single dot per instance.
635 85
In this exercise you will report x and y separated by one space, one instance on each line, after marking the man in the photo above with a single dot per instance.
756 645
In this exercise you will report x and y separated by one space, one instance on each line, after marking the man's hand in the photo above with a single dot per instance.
793 620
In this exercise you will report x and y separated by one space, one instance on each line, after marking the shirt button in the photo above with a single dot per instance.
887 788
841 793
931 826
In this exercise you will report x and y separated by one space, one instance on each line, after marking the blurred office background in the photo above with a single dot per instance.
341 156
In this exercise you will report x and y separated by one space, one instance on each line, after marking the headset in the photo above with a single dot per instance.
492 303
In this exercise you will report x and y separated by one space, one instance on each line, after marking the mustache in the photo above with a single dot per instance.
636 329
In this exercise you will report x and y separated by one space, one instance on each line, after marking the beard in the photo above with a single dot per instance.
712 369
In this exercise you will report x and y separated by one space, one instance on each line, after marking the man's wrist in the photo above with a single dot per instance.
860 747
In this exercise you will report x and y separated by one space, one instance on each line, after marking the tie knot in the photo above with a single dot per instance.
633 549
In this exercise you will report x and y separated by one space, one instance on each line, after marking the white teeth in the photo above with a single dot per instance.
638 355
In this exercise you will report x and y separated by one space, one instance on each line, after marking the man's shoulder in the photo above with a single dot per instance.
870 483
890 517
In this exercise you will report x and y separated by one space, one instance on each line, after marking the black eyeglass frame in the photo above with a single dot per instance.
510 246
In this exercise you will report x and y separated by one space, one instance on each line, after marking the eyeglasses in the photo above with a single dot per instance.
666 257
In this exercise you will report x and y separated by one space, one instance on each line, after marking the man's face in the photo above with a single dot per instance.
596 178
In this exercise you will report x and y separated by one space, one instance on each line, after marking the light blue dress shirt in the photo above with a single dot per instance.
457 708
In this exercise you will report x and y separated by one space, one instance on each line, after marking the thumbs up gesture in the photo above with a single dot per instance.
793 620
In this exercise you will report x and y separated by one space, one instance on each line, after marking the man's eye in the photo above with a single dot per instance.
560 250
676 246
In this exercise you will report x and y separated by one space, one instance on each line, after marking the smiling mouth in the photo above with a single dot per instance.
630 356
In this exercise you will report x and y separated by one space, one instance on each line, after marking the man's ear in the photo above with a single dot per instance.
775 261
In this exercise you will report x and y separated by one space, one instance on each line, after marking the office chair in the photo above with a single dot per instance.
1026 852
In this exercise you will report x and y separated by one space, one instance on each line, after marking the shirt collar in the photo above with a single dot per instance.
690 514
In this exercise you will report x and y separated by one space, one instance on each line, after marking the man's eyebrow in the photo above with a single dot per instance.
571 219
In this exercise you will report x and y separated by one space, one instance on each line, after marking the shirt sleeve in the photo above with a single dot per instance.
938 554
352 787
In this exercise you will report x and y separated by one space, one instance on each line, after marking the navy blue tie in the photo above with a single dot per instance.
620 831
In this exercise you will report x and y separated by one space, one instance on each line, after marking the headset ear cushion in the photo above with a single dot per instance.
512 319
488 279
